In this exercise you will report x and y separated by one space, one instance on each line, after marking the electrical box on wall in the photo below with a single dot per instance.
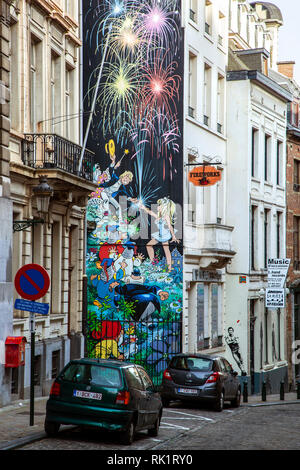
15 351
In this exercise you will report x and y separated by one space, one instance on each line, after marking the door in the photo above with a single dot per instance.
138 395
153 401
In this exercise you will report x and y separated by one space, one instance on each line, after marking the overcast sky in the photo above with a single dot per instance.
289 48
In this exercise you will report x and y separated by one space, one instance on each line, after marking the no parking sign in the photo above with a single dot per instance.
32 282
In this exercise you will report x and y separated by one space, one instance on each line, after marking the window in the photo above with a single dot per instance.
147 382
193 10
56 98
278 233
279 159
266 236
207 95
222 30
55 364
208 17
133 378
220 103
56 268
296 243
192 194
33 84
267 157
69 103
297 175
253 236
93 375
192 97
254 151
214 315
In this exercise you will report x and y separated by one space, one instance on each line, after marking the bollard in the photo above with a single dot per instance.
264 392
281 390
245 392
298 390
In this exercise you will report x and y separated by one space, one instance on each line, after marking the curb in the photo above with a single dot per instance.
23 441
271 403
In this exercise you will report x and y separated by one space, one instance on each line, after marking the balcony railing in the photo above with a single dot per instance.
50 151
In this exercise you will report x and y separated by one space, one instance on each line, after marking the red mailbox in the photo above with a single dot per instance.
15 351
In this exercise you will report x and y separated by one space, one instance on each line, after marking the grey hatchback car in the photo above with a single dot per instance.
198 377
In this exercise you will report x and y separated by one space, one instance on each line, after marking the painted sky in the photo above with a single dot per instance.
288 36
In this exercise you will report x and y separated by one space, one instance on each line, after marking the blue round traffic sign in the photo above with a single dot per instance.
32 282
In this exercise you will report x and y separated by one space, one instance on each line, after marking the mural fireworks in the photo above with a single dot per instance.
134 258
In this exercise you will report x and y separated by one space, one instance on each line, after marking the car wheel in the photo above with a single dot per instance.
51 429
237 401
165 402
153 432
127 437
219 405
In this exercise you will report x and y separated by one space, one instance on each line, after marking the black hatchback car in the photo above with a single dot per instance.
198 377
105 394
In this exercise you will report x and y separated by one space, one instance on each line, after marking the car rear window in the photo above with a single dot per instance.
93 375
192 363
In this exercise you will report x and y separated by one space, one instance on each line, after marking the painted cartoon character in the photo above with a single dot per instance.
108 276
110 335
146 298
165 219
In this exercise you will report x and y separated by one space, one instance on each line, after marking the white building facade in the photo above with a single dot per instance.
207 234
256 194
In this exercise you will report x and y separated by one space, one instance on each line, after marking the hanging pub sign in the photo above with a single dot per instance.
205 176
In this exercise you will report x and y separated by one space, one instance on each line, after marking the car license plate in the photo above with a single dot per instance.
188 391
90 395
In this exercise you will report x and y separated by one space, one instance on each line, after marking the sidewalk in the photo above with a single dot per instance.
15 429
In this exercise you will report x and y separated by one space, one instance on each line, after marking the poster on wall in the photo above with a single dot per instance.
134 252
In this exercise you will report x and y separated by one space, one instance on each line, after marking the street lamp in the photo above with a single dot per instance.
43 192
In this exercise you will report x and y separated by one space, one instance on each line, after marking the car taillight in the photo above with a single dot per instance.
167 375
213 378
123 398
55 389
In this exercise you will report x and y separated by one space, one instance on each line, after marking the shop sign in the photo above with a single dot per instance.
205 176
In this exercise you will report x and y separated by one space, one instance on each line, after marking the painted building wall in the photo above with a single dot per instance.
134 255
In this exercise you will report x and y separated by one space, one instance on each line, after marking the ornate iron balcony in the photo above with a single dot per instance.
50 151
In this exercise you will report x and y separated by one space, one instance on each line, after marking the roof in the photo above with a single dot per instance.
272 11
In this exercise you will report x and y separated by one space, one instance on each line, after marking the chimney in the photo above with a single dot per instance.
286 68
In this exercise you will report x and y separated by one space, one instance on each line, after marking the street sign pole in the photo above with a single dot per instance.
32 282
32 329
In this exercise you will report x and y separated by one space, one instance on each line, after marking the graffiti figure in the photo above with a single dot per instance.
146 298
165 219
233 343
110 335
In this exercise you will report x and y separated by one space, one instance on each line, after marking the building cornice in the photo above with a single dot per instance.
261 80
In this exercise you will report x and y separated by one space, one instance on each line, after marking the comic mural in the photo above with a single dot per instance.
134 251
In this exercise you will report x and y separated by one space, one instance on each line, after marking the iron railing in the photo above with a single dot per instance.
50 151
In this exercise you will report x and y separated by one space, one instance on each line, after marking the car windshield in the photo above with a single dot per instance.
192 363
93 375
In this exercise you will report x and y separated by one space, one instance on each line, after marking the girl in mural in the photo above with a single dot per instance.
165 219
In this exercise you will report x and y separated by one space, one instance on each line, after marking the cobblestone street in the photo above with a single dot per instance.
247 428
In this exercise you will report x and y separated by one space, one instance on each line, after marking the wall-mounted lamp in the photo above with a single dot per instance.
43 192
